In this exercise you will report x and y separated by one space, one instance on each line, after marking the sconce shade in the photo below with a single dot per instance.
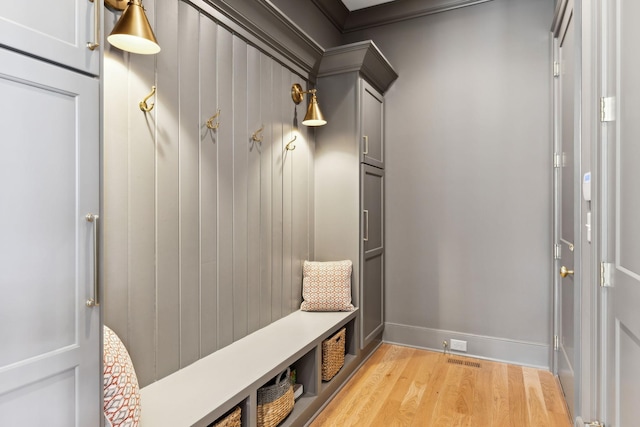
314 116
133 32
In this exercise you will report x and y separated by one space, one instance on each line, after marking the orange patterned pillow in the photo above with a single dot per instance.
326 286
121 391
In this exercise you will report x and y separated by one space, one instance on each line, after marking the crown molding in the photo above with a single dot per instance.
263 24
386 13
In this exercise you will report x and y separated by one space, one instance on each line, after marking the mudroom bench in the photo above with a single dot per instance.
204 391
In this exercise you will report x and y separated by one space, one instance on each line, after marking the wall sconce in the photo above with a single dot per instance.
132 32
314 116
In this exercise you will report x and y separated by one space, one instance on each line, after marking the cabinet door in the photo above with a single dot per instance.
50 360
372 119
372 271
54 30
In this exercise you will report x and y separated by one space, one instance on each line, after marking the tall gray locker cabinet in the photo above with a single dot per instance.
349 174
50 358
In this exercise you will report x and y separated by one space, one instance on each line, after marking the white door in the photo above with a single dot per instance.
58 31
567 355
621 301
50 358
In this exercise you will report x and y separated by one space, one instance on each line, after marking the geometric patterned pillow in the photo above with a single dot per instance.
326 286
121 391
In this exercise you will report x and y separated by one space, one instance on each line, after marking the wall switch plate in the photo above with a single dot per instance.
458 345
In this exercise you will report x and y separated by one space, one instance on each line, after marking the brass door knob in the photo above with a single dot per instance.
564 272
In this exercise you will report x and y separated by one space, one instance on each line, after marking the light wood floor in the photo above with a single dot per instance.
401 386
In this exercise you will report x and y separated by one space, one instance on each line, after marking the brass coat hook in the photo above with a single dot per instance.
210 123
143 104
257 135
291 146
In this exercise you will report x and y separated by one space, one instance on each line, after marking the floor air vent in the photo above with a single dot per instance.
464 363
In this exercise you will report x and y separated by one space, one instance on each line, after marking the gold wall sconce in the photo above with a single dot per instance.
314 116
132 32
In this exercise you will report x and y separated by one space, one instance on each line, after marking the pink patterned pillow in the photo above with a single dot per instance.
121 391
326 286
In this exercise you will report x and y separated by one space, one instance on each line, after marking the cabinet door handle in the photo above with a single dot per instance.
366 144
92 302
96 26
366 225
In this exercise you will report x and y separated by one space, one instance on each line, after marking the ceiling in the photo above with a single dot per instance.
362 4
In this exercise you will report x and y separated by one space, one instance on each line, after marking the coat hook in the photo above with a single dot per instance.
210 124
143 104
257 135
290 146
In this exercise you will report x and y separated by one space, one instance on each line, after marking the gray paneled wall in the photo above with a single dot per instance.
204 231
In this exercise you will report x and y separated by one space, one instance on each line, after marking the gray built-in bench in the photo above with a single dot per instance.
202 392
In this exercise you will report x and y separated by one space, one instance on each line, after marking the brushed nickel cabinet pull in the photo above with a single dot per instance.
96 26
366 225
95 300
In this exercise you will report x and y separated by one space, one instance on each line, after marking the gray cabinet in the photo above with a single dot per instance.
349 174
58 31
50 361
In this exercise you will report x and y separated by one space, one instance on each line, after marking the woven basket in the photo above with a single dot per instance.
232 419
275 401
333 355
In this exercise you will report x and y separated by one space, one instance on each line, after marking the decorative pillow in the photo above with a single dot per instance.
326 286
121 391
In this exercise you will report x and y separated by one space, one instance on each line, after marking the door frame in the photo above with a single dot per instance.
588 317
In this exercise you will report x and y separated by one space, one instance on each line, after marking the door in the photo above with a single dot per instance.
50 358
372 291
621 343
372 119
566 288
55 30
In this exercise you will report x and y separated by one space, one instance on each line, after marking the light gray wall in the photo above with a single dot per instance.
468 163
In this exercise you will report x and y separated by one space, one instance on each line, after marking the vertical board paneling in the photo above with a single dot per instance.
287 108
208 189
300 206
167 193
206 230
240 190
276 193
253 186
189 186
142 280
225 188
266 188
115 203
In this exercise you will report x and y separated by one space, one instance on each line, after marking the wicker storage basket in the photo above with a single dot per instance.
232 419
333 355
275 401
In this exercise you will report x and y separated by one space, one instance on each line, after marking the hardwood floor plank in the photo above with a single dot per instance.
401 386
518 412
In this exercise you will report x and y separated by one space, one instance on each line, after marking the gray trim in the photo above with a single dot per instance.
386 13
483 347
363 57
269 29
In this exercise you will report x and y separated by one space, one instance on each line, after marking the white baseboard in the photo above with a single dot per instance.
482 347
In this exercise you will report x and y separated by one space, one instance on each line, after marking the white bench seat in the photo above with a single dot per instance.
203 391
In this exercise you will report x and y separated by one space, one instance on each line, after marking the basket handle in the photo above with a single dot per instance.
285 372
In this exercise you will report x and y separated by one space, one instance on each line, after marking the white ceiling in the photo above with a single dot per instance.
361 4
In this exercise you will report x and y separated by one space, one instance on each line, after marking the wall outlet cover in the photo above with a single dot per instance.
458 345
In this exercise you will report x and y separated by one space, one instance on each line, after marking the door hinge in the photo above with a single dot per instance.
556 342
556 69
557 251
607 109
557 160
593 424
606 274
